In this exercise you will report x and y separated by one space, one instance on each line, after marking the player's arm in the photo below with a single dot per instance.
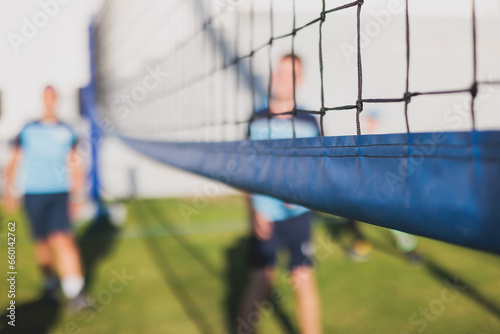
77 191
77 177
261 226
11 202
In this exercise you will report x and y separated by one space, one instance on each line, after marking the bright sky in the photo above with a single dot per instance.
57 54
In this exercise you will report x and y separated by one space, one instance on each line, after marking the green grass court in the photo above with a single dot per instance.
188 277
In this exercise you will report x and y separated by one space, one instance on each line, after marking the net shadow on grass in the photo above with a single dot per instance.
37 316
95 244
343 231
177 287
237 279
150 210
440 273
40 315
237 274
462 286
171 278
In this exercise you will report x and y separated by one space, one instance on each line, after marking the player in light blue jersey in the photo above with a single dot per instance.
277 225
50 174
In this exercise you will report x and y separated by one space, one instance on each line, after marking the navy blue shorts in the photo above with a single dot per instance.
292 235
47 213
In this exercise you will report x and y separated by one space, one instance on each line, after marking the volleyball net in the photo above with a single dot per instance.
181 82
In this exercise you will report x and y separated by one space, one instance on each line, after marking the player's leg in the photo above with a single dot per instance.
36 210
43 256
307 300
64 249
262 260
407 244
361 248
67 261
297 235
45 261
261 282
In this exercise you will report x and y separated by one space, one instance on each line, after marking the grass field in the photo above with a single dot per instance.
161 273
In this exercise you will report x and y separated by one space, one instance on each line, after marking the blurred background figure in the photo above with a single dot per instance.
361 248
405 243
53 185
277 225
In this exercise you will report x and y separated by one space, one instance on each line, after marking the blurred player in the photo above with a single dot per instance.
277 225
51 175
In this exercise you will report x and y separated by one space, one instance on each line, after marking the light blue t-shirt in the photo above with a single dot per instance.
262 128
45 148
